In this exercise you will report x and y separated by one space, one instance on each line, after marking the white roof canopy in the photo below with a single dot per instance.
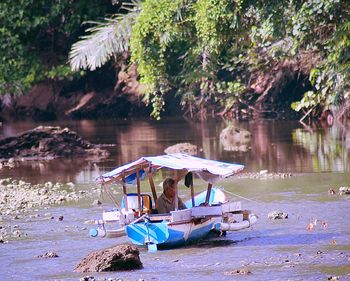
208 170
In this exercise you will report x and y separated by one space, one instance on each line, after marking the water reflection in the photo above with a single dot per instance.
277 146
328 148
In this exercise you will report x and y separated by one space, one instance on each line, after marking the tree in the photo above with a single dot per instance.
35 37
205 51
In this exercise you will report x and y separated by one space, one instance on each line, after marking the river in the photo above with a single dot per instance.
313 158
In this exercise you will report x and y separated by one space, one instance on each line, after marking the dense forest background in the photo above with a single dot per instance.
236 58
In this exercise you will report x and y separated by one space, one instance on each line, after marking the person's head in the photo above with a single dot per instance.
169 187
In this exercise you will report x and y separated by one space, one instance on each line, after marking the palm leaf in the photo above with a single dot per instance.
106 40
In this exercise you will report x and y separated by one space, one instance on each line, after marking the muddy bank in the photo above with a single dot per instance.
48 143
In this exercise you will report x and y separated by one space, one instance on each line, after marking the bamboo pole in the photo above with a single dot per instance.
176 191
192 192
208 193
138 189
153 188
125 194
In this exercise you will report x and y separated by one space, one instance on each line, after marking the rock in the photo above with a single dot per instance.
331 191
235 139
185 147
47 143
344 190
274 215
96 203
48 255
240 271
60 218
121 257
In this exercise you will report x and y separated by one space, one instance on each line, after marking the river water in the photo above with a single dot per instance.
313 159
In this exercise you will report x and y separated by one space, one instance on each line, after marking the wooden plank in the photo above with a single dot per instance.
230 207
206 211
159 217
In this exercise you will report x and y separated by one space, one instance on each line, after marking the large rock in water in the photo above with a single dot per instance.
48 142
121 257
235 139
184 147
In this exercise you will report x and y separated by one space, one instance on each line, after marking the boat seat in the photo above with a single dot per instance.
146 202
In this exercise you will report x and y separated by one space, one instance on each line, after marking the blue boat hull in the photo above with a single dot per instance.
167 234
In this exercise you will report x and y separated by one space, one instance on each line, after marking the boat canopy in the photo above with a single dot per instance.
209 170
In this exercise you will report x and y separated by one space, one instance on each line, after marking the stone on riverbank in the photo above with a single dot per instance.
344 190
121 257
19 196
277 215
47 143
239 271
185 147
47 255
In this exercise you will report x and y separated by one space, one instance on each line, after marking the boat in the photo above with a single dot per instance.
206 212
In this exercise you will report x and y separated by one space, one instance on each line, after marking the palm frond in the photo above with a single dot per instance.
106 39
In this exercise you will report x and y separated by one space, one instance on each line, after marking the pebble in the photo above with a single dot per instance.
331 191
240 271
49 254
96 203
274 215
19 197
344 190
264 174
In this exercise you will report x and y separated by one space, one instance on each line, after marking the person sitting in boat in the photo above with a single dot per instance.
166 202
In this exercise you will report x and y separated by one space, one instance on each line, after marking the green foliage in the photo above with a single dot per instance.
35 36
202 50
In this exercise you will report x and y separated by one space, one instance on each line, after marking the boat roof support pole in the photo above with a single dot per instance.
192 192
176 191
151 183
125 194
138 189
208 193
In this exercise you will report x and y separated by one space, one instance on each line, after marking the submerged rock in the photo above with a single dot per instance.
48 255
239 271
277 215
185 147
235 139
331 191
121 257
344 190
47 143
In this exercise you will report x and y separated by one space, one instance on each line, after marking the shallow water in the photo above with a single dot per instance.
271 250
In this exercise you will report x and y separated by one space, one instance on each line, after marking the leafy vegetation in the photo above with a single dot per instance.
35 37
209 53
206 50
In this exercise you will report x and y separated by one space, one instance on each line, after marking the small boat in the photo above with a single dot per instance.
206 212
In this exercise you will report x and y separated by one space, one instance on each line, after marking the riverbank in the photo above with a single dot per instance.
272 249
19 200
